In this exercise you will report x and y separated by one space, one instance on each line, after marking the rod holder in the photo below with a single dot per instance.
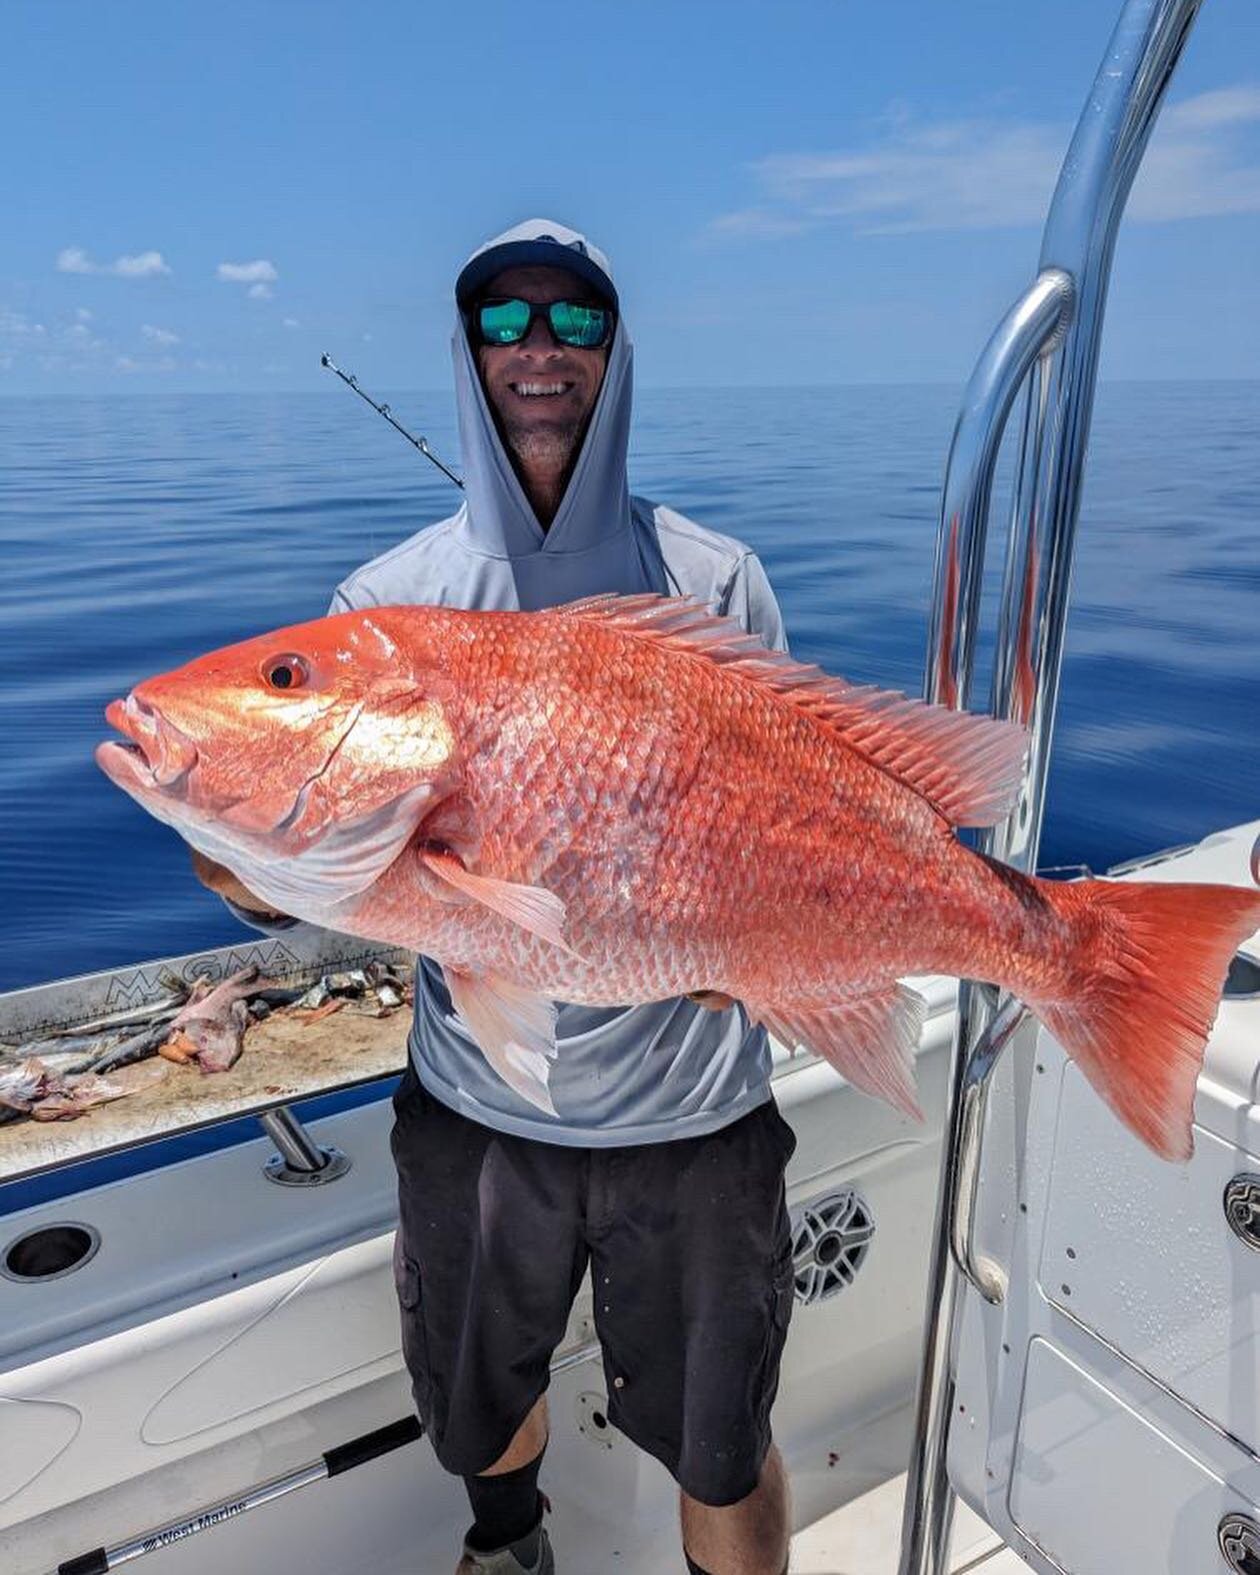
301 1162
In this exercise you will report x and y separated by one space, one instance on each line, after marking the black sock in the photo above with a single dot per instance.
506 1509
694 1569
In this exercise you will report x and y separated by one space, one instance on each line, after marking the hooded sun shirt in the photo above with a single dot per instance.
634 1074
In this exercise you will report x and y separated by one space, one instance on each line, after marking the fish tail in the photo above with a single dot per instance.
1146 976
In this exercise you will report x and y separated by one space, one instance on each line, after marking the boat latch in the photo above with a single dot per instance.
1242 1210
1238 1536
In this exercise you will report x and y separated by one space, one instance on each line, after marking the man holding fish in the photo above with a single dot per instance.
637 806
663 1167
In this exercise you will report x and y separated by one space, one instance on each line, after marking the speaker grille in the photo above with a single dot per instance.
830 1239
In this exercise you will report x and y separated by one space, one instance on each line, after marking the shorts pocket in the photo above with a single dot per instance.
784 1292
415 1344
404 1096
786 1133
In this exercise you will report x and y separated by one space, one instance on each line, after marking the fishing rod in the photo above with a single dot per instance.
349 379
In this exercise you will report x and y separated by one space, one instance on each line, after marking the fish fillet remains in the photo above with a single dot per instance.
628 799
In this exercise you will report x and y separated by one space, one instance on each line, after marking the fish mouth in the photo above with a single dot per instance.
155 753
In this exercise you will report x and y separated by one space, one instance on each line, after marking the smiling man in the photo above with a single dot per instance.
542 346
663 1169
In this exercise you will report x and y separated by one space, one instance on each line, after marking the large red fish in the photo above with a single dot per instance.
626 799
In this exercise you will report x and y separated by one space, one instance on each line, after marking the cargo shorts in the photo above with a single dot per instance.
689 1248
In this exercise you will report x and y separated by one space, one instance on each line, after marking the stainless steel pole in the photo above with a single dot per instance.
1077 248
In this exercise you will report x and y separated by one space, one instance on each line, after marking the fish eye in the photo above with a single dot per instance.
285 672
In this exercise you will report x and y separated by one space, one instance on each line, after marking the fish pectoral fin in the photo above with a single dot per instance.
870 1039
534 908
515 1029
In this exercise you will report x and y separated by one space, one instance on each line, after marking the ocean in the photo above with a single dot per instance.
138 532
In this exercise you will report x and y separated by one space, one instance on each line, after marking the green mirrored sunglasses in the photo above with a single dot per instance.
579 326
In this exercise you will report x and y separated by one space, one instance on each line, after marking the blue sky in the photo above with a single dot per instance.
205 197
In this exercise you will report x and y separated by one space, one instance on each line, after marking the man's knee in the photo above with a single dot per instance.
749 1535
528 1442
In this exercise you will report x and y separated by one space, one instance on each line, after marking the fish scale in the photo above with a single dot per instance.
627 799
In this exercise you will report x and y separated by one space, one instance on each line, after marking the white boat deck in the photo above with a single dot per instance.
863 1537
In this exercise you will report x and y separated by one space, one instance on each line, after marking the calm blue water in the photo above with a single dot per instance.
140 532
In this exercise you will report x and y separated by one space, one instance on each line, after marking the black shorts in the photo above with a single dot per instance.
689 1249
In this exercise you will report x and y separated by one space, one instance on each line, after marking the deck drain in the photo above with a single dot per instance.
49 1252
592 1420
830 1239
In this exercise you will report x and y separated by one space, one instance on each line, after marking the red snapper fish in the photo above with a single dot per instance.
627 799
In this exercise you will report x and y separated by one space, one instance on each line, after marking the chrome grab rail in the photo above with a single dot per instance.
963 1173
1050 338
1033 326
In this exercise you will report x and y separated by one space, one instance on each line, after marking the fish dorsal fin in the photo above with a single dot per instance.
969 768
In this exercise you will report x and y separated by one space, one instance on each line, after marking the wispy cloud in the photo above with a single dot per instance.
17 326
144 265
158 336
291 322
759 221
53 346
259 275
259 271
982 174
129 364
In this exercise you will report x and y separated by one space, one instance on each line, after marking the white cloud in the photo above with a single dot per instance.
82 313
259 292
144 265
291 322
126 363
73 259
758 221
159 336
985 174
1229 106
17 325
260 271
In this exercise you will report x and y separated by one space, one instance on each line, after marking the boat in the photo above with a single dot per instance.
1019 1338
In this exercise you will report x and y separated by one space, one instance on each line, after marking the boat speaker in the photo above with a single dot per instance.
831 1236
1238 1537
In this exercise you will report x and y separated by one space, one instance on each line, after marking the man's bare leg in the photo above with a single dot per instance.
748 1538
528 1442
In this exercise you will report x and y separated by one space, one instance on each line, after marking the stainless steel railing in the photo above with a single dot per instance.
1049 339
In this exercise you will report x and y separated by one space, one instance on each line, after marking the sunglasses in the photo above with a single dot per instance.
578 326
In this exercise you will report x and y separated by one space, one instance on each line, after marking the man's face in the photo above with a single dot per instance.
542 392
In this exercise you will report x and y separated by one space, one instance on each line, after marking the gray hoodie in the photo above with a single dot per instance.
634 1074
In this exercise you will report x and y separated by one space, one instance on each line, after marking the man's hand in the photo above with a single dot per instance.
221 880
711 1000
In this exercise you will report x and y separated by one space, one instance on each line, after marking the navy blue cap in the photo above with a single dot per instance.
536 243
